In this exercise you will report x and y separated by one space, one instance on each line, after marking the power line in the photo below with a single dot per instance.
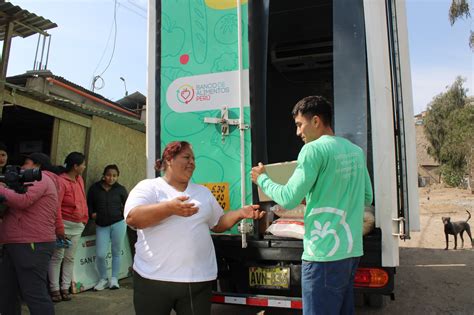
144 10
115 38
97 77
132 10
105 48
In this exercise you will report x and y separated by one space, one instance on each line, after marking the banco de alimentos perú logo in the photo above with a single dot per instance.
185 93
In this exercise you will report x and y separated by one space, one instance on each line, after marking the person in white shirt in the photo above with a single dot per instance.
175 262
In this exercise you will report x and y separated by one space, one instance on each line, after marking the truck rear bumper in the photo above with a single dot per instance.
257 300
234 263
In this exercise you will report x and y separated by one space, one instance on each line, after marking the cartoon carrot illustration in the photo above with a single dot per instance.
197 13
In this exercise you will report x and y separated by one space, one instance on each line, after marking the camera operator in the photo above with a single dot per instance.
28 233
3 156
3 163
3 207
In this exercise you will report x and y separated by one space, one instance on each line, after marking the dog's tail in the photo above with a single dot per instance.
468 216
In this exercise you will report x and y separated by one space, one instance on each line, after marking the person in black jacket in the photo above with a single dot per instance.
106 199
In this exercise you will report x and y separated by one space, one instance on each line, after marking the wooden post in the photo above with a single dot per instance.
4 62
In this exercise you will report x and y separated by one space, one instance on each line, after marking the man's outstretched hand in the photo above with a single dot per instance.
257 171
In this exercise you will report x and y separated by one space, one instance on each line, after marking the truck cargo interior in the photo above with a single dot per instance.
299 64
303 57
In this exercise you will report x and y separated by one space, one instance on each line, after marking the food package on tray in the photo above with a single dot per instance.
292 226
297 212
287 227
369 220
279 173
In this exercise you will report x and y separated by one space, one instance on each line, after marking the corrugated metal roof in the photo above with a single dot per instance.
80 108
22 78
134 101
26 23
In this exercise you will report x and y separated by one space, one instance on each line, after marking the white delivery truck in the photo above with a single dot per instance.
225 74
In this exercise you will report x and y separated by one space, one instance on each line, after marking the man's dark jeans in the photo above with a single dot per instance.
23 272
328 286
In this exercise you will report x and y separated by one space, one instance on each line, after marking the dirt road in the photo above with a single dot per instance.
432 280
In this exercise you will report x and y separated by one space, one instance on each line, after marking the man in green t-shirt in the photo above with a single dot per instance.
332 175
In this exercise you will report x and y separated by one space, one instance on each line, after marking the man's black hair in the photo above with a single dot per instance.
314 106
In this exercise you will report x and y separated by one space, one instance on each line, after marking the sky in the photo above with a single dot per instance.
82 46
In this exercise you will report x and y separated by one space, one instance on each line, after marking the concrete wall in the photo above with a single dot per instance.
111 143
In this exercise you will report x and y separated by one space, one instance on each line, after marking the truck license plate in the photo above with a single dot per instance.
269 277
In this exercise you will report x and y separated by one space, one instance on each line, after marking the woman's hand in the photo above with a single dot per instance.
232 217
251 212
61 236
144 216
180 207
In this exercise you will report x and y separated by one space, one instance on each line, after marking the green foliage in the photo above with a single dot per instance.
471 40
452 177
460 9
449 129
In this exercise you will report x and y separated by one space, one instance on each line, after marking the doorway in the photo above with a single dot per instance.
25 131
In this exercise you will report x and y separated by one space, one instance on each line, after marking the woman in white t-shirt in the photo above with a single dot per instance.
175 261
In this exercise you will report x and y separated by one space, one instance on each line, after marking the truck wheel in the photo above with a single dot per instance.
374 300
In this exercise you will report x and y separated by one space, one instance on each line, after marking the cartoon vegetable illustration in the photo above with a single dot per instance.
226 62
173 37
197 13
225 30
223 4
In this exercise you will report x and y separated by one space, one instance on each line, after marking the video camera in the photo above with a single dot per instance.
15 178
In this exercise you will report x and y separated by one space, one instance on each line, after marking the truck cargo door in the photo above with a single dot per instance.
391 111
196 92
403 119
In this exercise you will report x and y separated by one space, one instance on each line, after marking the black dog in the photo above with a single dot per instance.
455 228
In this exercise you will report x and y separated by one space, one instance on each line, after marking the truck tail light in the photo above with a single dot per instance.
371 278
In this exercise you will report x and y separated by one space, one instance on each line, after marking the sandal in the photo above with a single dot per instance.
65 295
55 296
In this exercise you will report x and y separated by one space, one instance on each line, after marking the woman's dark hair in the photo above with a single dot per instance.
111 167
73 158
171 150
43 161
3 147
314 106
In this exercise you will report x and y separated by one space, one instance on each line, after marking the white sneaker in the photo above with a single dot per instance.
102 284
114 284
